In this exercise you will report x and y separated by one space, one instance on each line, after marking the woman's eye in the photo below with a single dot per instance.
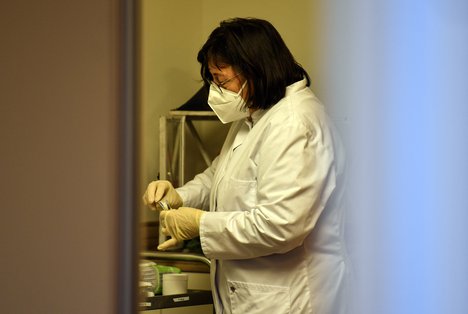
220 81
215 78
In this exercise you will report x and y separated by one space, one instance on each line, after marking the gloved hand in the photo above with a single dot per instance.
181 224
161 190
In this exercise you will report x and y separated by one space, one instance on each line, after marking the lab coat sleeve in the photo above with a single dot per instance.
295 178
196 193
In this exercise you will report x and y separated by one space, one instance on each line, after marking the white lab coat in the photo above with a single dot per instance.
275 227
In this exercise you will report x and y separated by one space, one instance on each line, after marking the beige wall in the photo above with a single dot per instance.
298 22
59 156
173 31
170 35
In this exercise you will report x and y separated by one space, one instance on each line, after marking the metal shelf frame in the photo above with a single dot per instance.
184 120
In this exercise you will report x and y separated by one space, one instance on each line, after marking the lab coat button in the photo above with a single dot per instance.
233 289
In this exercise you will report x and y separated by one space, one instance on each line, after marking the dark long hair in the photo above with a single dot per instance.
254 48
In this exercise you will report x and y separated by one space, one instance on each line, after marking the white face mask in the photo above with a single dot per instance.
227 105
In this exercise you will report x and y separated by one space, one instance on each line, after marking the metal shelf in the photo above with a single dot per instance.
176 256
191 298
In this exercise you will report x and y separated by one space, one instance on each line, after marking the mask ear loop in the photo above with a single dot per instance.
242 88
243 108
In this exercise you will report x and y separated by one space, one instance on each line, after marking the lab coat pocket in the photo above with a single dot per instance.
256 298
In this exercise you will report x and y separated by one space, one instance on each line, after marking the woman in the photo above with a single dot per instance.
268 210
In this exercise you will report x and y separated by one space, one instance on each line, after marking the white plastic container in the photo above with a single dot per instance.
174 284
149 274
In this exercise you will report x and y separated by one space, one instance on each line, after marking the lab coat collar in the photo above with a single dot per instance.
254 117
295 87
291 89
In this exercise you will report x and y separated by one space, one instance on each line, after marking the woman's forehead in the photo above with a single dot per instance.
225 69
217 65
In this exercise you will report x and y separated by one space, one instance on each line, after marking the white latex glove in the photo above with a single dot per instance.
181 224
161 190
